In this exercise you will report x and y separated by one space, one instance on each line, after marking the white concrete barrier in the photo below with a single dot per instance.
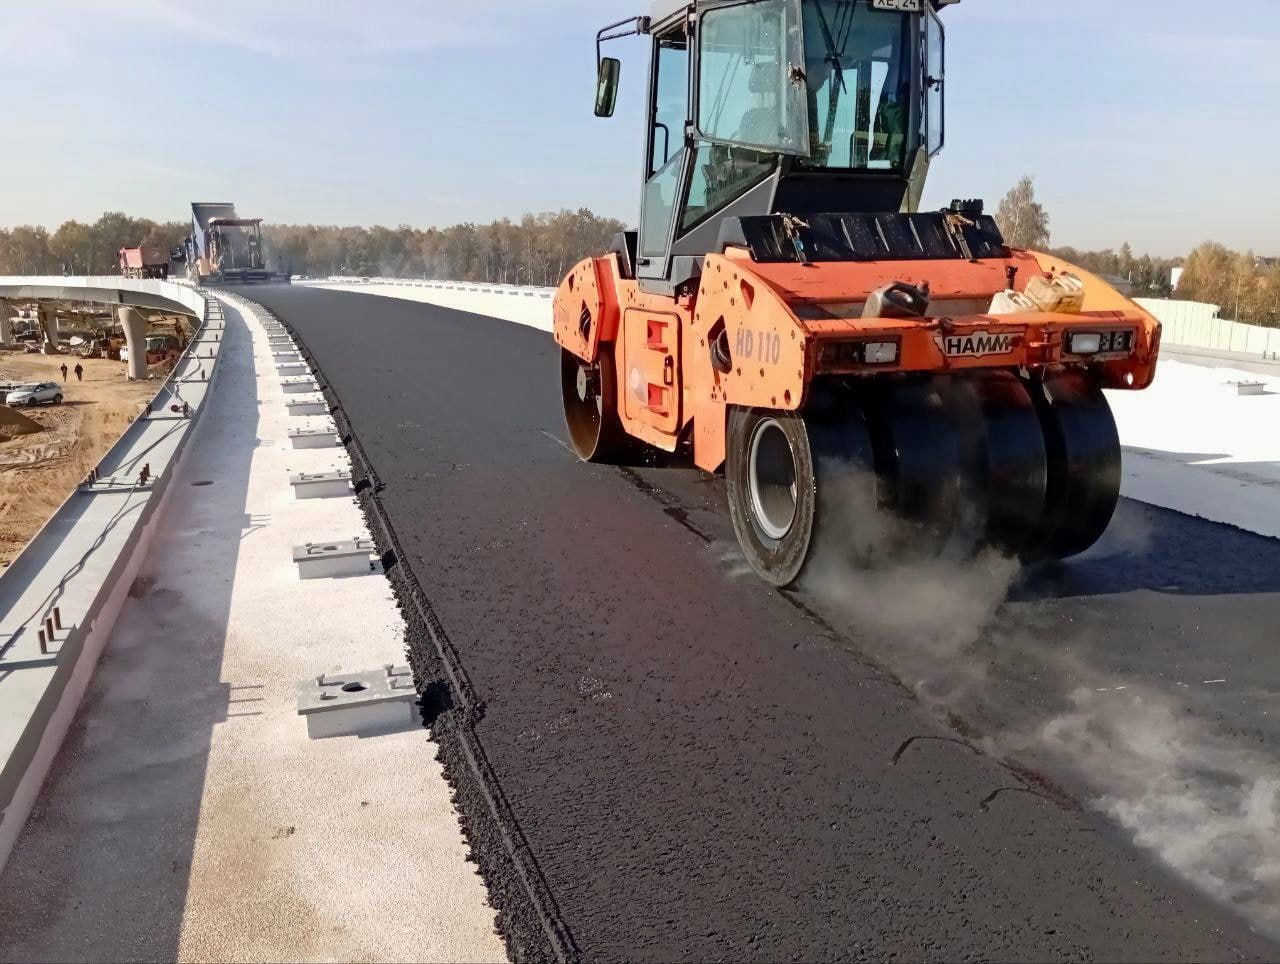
1193 324
522 304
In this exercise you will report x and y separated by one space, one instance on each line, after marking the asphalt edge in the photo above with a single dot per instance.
528 918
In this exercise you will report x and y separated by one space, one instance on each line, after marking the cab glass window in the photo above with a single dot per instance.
722 173
858 65
935 80
656 208
671 101
750 90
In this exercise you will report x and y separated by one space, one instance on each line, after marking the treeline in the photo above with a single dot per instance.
79 248
539 249
1150 277
1244 286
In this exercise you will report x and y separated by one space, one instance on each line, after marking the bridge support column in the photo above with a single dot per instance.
6 326
48 315
135 336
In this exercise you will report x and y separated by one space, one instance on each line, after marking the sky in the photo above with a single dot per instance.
1149 121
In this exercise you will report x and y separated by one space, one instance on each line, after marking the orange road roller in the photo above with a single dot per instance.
875 381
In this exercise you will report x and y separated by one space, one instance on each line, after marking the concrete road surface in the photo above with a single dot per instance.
940 762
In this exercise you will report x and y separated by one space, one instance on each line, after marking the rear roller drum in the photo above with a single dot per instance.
802 489
1084 459
590 408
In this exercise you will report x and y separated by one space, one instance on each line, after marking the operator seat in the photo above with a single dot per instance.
759 125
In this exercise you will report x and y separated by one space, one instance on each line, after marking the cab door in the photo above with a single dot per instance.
665 163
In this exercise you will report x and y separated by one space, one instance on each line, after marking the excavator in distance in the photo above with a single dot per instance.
876 382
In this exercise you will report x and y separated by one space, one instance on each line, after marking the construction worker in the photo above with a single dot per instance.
79 372
64 371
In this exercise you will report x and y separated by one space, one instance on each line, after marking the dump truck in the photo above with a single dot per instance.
876 382
224 248
145 261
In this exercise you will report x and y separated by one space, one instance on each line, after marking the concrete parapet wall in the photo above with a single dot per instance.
1192 324
522 304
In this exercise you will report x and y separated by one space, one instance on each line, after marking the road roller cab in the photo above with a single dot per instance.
870 377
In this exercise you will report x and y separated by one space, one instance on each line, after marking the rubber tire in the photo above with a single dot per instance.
1007 471
920 456
837 521
1084 457
595 433
57 399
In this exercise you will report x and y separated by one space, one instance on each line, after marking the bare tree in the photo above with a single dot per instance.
1023 220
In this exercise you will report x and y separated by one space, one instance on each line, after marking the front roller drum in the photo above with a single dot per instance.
802 487
590 394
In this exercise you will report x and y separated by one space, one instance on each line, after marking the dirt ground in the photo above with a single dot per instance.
39 470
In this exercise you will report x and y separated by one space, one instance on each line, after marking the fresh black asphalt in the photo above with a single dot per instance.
705 769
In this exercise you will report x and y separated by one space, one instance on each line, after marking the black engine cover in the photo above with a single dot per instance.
933 236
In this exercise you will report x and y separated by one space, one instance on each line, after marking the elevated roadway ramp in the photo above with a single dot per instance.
188 816
104 290
933 763
60 597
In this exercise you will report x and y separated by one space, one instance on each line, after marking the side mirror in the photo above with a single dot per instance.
607 86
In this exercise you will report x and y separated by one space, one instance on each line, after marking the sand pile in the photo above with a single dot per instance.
14 423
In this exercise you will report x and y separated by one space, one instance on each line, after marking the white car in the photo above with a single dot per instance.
44 393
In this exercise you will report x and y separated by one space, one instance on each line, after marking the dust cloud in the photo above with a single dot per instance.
920 620
1206 805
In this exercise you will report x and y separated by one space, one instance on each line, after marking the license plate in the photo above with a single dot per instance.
901 6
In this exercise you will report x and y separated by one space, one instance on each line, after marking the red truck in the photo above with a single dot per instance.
144 262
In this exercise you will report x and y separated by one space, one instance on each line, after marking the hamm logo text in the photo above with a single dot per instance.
975 344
